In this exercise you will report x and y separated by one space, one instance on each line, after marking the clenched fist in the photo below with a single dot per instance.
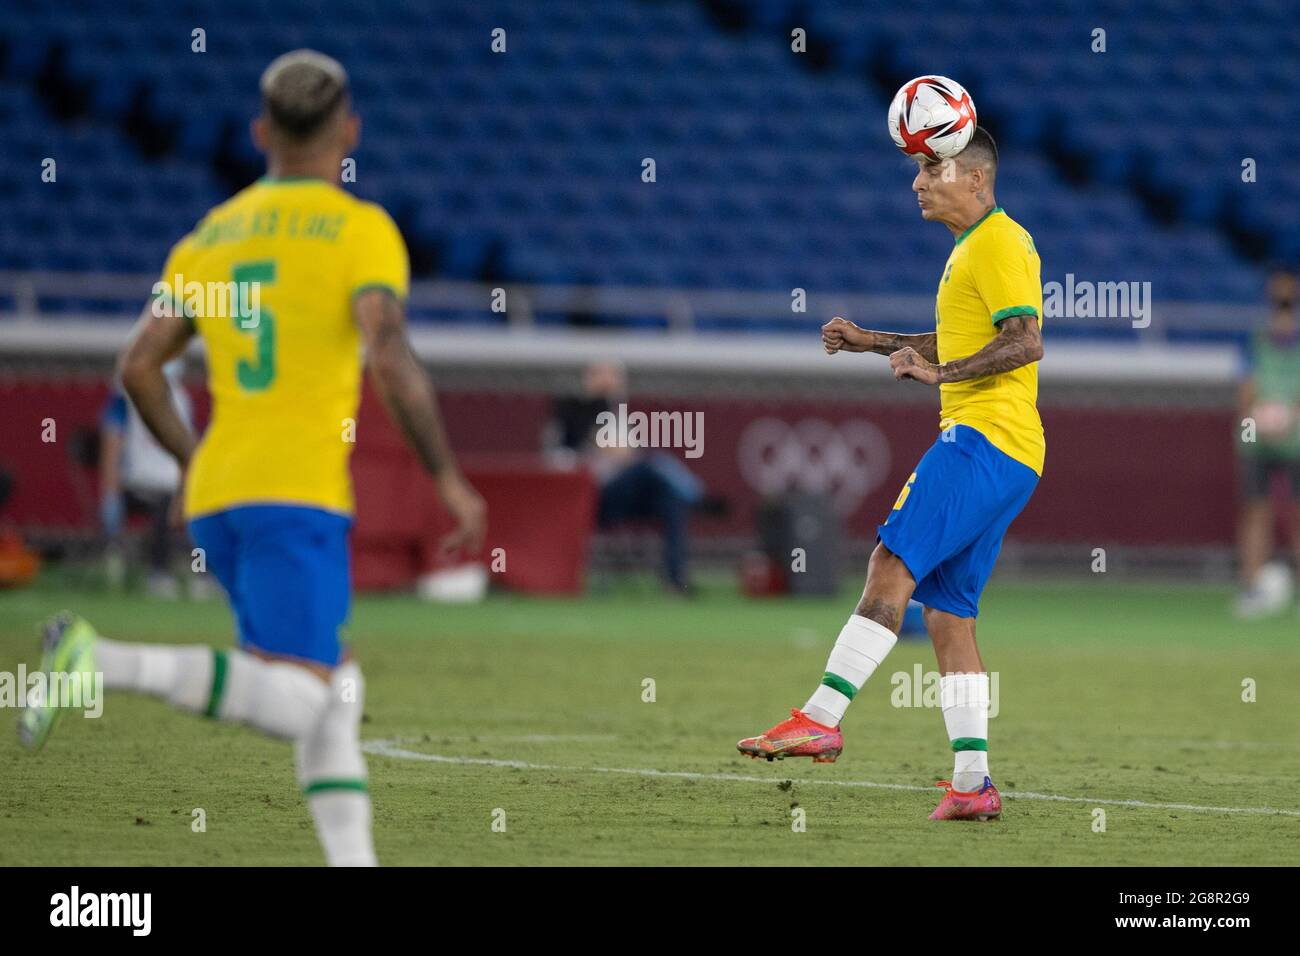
841 335
909 363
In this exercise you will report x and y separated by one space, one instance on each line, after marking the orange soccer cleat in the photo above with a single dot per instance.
800 736
982 804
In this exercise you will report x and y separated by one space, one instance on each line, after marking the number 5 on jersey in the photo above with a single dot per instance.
254 319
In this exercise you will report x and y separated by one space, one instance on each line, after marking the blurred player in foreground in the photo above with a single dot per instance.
943 535
1269 396
267 493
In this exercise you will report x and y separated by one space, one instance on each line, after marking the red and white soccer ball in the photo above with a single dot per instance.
932 117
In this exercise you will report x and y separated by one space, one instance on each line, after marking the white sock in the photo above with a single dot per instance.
280 699
965 699
858 651
332 773
180 675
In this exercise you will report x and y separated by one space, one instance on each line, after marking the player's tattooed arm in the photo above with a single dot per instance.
925 345
841 335
408 396
158 337
1019 342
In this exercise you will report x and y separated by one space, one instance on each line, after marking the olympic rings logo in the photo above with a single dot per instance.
845 462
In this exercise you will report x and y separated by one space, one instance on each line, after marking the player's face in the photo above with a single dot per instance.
938 187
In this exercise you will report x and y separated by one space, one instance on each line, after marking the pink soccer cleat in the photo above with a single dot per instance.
982 804
800 736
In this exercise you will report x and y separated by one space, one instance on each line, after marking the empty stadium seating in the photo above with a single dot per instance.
773 170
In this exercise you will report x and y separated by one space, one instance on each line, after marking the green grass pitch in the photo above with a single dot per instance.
1107 692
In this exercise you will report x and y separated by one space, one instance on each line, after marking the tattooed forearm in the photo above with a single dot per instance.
887 343
1018 342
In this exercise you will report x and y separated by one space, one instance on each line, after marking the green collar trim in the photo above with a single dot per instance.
279 180
977 224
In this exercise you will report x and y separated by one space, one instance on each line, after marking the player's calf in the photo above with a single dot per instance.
276 697
332 773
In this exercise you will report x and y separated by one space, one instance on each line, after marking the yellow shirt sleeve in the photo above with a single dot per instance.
379 258
1006 273
173 273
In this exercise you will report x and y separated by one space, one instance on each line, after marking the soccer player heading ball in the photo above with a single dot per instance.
940 541
316 275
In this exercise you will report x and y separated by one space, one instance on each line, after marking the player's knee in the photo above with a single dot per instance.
305 700
948 629
882 557
342 718
280 699
333 748
887 569
936 625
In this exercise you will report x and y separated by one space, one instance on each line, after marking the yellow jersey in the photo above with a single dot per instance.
992 273
268 279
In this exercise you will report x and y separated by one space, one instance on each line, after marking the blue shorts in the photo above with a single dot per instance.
287 573
948 523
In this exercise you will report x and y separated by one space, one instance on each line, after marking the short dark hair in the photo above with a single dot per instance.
981 150
301 90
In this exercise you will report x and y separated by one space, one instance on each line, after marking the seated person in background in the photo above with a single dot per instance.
635 483
135 474
1269 396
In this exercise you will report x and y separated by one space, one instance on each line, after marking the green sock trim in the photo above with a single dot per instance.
320 786
970 743
835 682
219 666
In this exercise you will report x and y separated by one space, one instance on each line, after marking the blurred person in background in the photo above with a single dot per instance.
1270 396
18 563
136 475
635 484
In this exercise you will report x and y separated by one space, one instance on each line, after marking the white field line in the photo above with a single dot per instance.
518 738
391 748
1232 745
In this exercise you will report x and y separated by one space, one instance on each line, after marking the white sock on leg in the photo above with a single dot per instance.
180 675
280 699
332 773
858 651
965 699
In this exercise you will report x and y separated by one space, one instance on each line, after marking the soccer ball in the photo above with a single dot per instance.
932 117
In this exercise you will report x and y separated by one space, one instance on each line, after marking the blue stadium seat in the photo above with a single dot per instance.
768 173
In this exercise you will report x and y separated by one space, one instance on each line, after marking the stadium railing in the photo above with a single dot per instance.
87 315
